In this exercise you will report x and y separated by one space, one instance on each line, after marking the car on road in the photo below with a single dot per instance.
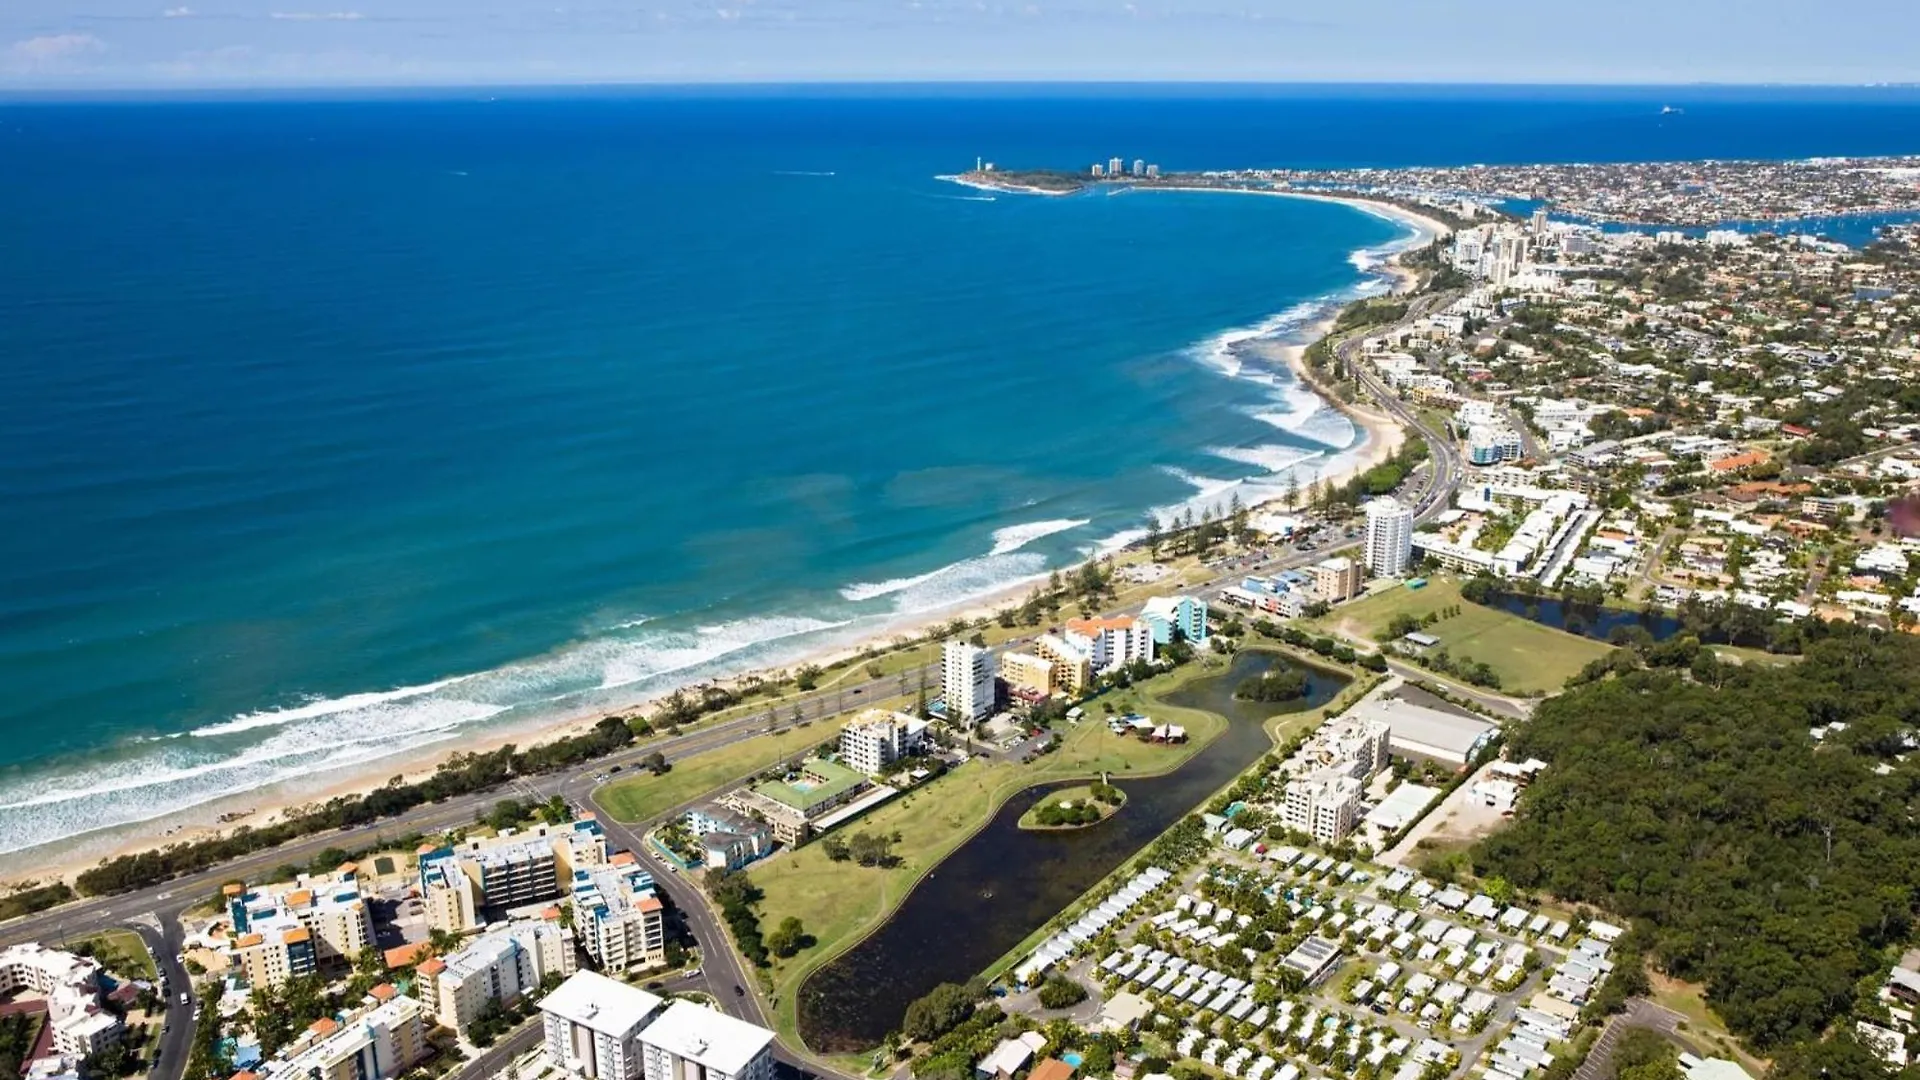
739 991
185 997
180 958
615 768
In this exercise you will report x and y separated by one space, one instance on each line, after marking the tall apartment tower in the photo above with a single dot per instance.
1389 537
966 682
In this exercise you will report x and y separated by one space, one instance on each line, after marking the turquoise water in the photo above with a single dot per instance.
338 431
333 430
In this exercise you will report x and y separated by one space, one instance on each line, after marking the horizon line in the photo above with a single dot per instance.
68 90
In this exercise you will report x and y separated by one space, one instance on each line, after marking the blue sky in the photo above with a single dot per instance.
213 43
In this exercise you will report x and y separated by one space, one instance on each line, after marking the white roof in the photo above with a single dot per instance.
711 1038
606 1005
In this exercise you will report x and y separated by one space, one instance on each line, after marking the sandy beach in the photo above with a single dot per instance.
1382 437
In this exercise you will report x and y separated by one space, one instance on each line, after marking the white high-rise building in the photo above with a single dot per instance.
966 682
593 1026
877 738
1324 806
1389 537
691 1042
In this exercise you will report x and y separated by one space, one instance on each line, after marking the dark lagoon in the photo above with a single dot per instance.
1006 881
1583 619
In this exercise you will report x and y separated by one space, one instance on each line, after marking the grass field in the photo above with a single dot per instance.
638 798
122 953
1528 657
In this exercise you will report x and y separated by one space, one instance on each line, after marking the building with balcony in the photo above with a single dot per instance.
619 916
494 968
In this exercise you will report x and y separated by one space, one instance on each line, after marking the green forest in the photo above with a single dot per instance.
1777 870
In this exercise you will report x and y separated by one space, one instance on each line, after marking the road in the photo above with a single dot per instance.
164 940
156 910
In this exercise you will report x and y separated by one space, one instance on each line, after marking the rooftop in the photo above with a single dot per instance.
826 781
594 1001
714 1039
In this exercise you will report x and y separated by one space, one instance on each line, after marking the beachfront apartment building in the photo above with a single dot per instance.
498 966
1112 643
510 870
878 738
693 1042
728 839
1029 676
378 1042
280 932
1338 579
618 915
966 682
1389 537
1166 616
592 1026
1324 805
70 987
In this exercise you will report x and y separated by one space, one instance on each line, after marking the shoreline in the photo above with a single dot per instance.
1380 438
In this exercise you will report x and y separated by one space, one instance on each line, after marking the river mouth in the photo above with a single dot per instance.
1005 882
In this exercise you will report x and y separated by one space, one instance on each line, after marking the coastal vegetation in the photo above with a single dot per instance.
461 774
30 897
1276 684
1776 870
1074 807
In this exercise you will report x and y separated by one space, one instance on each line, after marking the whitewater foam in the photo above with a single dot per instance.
630 662
1014 537
1272 458
315 708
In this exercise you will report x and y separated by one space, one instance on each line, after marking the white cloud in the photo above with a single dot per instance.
52 50
177 13
318 16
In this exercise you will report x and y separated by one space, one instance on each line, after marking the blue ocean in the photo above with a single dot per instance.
336 429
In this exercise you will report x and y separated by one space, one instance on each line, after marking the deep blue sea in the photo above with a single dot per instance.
333 429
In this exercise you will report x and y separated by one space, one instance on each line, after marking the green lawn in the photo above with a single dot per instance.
643 796
1528 657
122 953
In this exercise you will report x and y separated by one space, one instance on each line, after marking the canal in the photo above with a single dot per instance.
1006 881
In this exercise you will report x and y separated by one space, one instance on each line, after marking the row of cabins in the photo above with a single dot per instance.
1087 927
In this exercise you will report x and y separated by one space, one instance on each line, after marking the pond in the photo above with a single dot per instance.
1583 619
1006 881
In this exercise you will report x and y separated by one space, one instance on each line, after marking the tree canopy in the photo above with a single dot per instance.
1775 868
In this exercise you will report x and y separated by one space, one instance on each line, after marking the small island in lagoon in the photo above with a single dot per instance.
1075 807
